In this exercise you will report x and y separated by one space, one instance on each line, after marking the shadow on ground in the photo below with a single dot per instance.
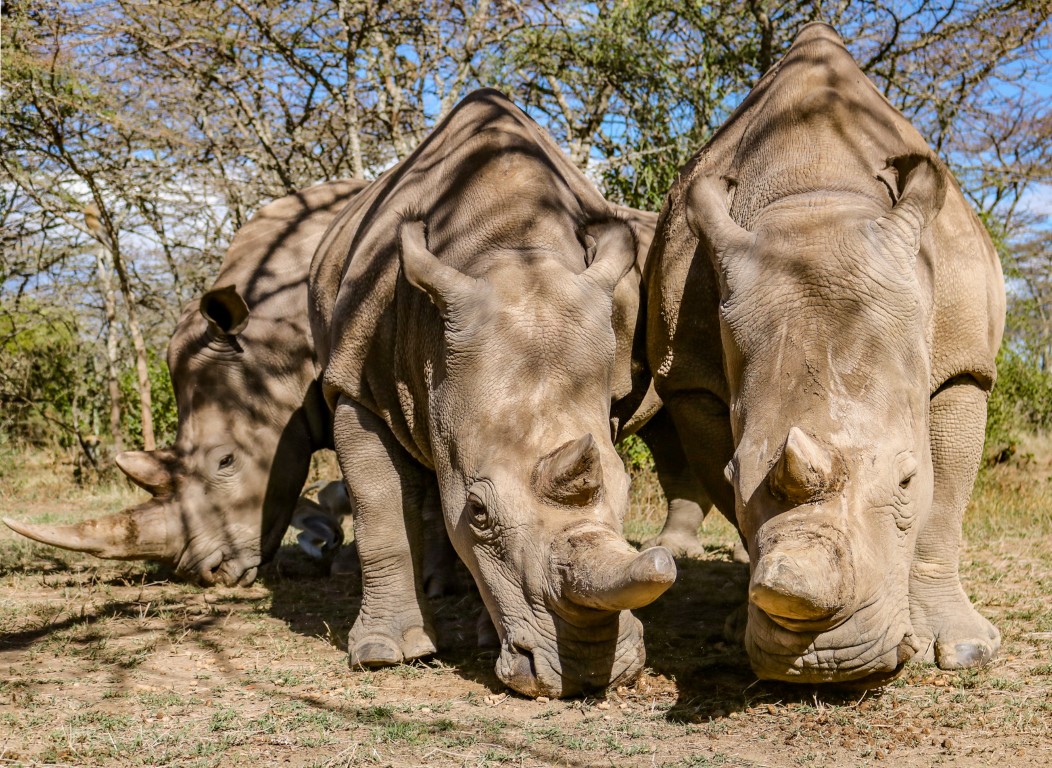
687 651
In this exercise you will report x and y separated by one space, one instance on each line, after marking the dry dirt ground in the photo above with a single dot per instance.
106 663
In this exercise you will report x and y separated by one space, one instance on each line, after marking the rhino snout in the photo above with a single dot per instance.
805 586
596 569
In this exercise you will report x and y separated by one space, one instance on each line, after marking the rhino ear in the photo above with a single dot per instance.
919 183
610 252
445 285
225 310
710 220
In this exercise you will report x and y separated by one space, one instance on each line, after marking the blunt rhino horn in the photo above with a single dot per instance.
150 470
135 534
807 471
572 474
601 572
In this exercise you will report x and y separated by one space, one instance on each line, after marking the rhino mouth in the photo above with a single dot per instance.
580 660
209 563
866 649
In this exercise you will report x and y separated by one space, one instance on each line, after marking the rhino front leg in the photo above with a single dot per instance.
701 428
386 489
951 632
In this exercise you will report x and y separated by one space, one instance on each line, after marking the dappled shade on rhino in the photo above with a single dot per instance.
824 313
474 311
250 411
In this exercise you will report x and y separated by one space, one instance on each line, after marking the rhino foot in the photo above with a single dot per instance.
374 648
740 554
735 624
679 543
966 642
346 562
959 640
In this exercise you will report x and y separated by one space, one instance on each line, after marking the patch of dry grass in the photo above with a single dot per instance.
105 663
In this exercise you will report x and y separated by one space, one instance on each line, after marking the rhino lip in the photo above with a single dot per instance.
814 626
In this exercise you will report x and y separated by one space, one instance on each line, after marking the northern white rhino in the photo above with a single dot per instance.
474 311
824 313
250 410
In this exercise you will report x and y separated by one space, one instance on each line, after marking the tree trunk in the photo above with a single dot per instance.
109 298
101 227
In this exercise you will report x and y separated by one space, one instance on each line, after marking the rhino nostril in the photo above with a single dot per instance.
524 665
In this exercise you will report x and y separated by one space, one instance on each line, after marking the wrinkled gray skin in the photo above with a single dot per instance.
824 311
250 411
468 335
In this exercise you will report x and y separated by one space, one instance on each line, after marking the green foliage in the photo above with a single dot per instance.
43 368
634 452
164 411
1021 402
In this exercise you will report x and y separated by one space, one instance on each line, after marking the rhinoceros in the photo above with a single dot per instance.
470 312
250 411
824 313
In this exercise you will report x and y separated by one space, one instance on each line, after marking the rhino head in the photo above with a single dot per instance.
533 492
825 327
219 504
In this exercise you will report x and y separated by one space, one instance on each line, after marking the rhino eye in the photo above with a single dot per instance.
907 471
226 461
477 513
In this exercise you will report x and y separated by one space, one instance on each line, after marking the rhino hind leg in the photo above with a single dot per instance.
949 629
440 559
387 490
688 504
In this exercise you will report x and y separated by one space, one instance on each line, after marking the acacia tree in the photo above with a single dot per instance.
178 121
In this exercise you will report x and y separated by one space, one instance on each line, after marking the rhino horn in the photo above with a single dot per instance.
150 470
807 471
572 474
601 572
134 534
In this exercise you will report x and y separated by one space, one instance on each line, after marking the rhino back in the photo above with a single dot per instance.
486 179
815 123
269 258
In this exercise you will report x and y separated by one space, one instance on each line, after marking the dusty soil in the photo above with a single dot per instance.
114 664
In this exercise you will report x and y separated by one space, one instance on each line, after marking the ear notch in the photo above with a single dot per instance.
609 251
446 286
709 218
918 185
225 310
